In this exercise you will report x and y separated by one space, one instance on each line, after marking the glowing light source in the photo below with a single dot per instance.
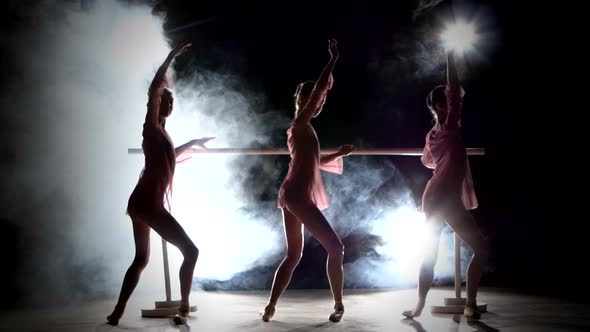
460 36
229 240
404 231
407 236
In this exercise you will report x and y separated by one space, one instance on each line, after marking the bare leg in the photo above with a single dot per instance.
320 228
294 238
427 267
171 231
465 226
141 235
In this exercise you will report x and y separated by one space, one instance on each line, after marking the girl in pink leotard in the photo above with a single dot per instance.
302 195
449 193
146 203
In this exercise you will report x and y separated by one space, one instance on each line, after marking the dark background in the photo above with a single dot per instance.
525 104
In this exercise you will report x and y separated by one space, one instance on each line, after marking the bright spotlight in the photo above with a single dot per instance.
459 36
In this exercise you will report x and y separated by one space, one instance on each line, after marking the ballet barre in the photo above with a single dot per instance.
285 151
451 305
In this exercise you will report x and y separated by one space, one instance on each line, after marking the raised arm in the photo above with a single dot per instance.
452 76
322 85
454 93
158 84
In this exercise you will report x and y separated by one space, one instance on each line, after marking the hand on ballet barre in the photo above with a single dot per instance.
346 149
200 142
179 49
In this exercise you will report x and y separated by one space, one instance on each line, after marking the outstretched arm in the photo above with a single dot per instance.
322 85
426 158
343 151
185 148
158 84
333 162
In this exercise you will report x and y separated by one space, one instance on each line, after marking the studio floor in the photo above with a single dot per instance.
308 310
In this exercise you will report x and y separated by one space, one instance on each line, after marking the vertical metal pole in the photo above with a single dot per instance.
457 266
166 270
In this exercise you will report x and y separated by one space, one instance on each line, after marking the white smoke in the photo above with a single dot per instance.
424 6
79 105
208 197
82 84
78 102
372 198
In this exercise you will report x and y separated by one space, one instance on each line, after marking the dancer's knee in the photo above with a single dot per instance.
336 249
293 258
427 269
428 265
430 259
191 252
141 261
